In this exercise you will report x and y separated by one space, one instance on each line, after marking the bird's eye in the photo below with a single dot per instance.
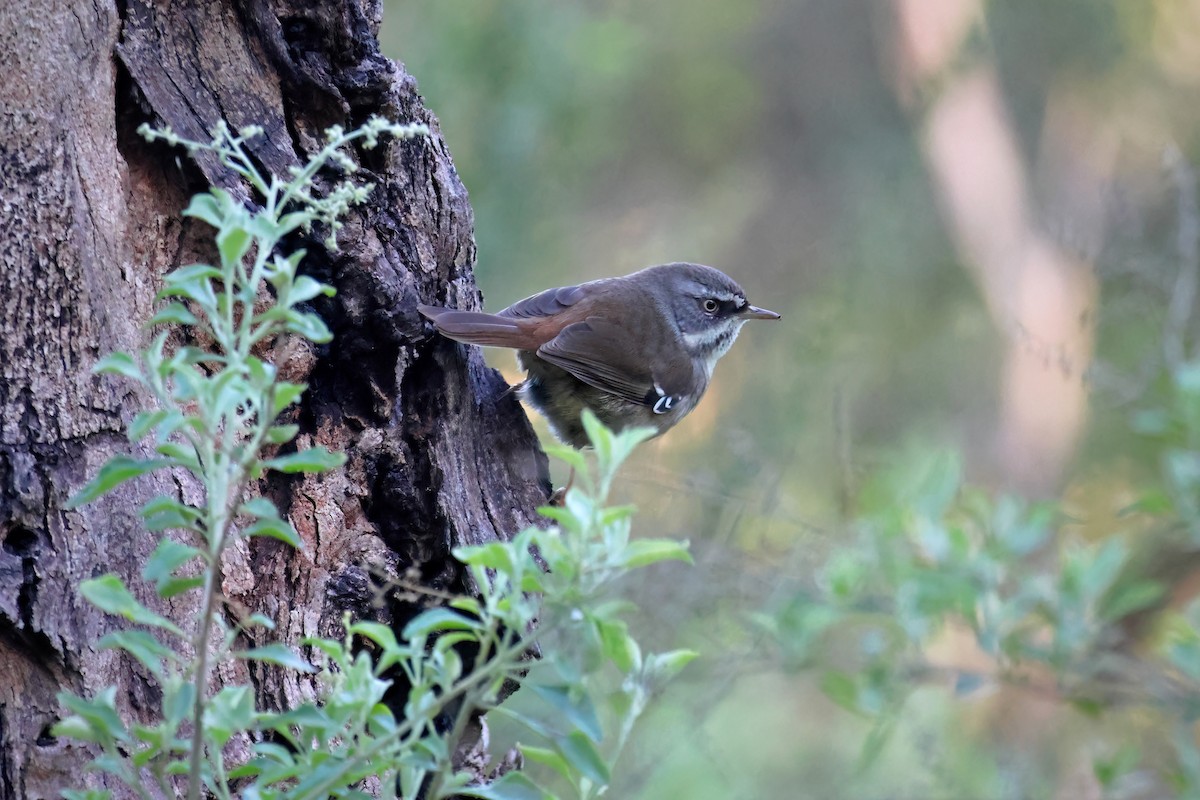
711 306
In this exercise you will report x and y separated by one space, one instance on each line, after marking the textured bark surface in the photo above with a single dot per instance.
439 454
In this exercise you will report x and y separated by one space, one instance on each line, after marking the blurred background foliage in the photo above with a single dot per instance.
979 222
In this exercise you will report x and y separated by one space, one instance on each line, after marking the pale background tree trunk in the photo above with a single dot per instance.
439 453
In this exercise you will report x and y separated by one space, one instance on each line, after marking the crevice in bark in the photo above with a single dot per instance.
8 786
22 543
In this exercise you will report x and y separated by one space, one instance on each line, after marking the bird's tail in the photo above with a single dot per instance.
476 327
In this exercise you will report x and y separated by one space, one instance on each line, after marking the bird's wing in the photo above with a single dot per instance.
550 302
617 360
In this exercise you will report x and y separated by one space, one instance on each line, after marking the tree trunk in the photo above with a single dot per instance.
439 453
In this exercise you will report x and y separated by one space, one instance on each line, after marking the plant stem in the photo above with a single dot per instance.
380 746
211 576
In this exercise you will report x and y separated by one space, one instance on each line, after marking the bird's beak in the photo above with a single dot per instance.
754 312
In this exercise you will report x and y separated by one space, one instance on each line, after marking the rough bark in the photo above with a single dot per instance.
439 453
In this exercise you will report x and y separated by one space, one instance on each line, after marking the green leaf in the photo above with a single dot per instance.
575 706
314 459
547 757
1126 599
108 593
619 646
438 619
98 717
281 434
193 282
285 394
305 288
581 754
119 364
1109 770
308 325
174 313
173 421
1104 567
160 568
665 666
641 552
144 422
75 727
278 654
181 454
86 794
258 507
385 638
233 242
510 786
227 712
574 458
262 226
1154 502
626 441
165 513
493 555
876 740
1185 656
142 646
257 620
600 437
564 517
117 470
275 528
209 207
841 689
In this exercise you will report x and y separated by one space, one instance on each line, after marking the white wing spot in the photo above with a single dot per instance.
664 404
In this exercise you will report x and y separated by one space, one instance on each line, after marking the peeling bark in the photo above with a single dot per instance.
439 454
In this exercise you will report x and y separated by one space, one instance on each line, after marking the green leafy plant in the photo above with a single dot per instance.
217 414
1041 599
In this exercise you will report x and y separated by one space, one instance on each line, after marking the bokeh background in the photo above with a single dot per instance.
972 217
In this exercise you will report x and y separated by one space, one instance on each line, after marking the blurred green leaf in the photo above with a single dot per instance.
174 313
278 654
119 364
281 434
578 751
314 459
305 289
209 207
229 711
510 786
841 689
642 552
665 666
95 720
275 528
160 568
284 395
310 326
573 704
115 471
108 593
233 242
142 646
438 619
1125 599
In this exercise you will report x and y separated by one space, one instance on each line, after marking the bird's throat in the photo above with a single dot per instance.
710 344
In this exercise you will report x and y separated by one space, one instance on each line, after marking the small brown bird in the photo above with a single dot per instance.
637 350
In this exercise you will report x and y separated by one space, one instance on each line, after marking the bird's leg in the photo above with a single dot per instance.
559 497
